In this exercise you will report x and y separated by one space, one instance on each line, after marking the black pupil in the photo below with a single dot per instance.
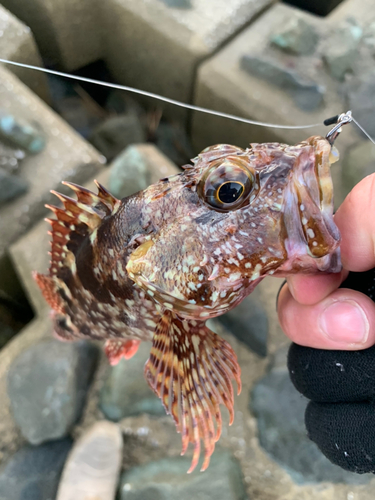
230 192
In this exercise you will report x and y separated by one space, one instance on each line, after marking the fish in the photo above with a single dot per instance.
158 264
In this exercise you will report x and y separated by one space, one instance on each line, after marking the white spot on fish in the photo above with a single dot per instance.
310 233
234 277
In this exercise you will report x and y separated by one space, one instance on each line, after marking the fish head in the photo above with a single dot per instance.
235 216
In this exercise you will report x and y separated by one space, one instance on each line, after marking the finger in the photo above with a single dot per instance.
343 320
356 221
310 289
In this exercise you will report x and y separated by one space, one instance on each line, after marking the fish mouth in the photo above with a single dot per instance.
313 237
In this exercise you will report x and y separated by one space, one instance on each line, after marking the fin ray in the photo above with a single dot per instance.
191 370
81 216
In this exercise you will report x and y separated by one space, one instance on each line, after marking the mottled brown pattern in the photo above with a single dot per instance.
156 265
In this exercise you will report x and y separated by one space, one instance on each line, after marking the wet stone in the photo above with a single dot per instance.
93 466
21 134
116 133
33 473
10 158
47 386
340 51
178 4
11 186
297 37
249 323
280 409
307 95
129 173
125 391
166 479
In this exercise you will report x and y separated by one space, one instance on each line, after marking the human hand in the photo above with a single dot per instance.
338 375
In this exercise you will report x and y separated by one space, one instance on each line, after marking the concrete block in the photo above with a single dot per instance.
68 32
30 252
18 44
222 84
156 45
66 156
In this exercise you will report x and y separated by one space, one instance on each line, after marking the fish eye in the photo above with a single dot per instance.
227 184
229 191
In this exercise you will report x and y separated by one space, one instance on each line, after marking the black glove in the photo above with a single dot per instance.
340 417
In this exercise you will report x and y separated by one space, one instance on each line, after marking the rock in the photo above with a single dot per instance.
129 173
119 102
340 51
249 323
93 466
116 133
82 115
166 479
47 387
307 95
369 37
358 162
10 157
178 4
360 94
11 186
297 37
280 409
22 134
173 141
33 473
125 391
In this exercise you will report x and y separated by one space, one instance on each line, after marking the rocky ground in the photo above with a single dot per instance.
71 425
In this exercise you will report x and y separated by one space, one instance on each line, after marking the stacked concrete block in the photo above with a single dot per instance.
156 45
17 44
66 156
245 78
68 32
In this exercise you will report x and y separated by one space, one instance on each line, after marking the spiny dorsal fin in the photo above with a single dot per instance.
103 201
80 217
190 368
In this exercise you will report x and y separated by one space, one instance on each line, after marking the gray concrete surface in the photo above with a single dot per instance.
66 156
18 44
68 32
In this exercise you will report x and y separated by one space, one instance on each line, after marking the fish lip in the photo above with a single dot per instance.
313 238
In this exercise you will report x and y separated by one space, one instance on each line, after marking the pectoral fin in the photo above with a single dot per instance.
190 368
116 349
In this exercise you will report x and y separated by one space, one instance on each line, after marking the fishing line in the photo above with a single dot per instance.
363 130
159 97
179 103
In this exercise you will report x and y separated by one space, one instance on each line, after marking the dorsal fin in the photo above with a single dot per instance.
190 368
80 217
